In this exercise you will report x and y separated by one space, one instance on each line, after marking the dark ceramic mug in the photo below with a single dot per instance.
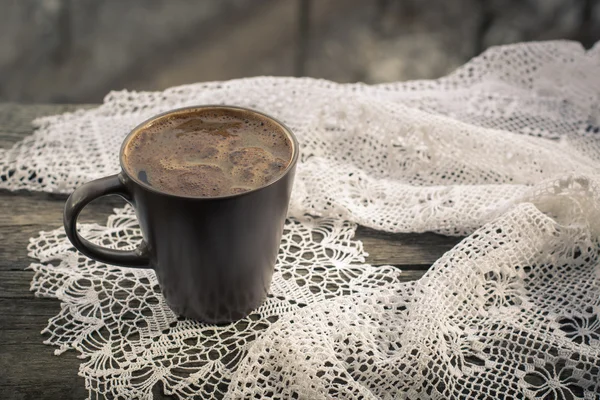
213 256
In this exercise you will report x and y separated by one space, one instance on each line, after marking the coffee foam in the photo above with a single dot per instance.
208 153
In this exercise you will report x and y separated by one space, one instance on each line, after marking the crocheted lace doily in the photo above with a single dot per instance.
505 150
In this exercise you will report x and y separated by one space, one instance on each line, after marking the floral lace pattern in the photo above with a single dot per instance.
119 319
506 151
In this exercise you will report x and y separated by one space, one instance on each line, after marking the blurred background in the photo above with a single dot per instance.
75 51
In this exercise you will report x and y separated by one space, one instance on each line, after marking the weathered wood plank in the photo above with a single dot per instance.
15 119
31 213
417 250
16 314
69 388
13 255
25 336
15 285
30 370
27 370
44 209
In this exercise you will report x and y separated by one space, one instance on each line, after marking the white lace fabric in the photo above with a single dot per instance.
505 150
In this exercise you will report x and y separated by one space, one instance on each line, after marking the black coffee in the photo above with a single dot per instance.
208 153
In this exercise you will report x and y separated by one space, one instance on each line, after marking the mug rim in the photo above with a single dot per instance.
184 110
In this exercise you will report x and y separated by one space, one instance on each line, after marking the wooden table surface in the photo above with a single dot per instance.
28 368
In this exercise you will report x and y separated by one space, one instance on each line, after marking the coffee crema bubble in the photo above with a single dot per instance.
208 153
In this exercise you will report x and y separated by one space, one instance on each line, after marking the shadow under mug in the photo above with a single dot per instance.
213 256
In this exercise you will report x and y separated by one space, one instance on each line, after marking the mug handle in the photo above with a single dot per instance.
138 258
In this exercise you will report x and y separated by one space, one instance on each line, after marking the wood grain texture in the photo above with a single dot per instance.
28 368
15 119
